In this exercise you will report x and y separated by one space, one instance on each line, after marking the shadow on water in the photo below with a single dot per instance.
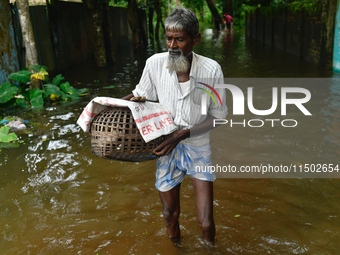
57 198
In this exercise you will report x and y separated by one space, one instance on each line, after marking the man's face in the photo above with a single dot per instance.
180 46
180 40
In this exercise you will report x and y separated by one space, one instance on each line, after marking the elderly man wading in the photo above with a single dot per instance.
177 79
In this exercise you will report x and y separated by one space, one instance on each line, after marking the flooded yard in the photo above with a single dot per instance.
56 197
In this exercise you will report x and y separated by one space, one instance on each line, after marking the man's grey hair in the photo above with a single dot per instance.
181 19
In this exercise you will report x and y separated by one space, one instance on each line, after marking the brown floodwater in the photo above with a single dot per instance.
56 197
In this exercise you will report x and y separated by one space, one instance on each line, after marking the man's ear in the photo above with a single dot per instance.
197 38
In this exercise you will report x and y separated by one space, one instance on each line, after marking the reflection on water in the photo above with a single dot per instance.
57 198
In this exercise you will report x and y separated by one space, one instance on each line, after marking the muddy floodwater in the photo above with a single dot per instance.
56 197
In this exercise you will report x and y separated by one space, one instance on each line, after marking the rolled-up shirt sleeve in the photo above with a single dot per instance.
146 86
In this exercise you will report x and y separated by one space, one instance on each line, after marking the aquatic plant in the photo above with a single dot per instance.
6 136
32 87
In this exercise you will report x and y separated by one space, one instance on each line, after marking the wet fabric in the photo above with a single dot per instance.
183 160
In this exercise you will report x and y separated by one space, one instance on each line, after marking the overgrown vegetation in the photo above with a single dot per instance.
309 6
32 88
119 3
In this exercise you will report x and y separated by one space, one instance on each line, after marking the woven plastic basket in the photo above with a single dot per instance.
114 135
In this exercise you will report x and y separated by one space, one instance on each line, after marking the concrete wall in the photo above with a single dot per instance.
42 34
9 61
62 34
300 33
69 32
336 53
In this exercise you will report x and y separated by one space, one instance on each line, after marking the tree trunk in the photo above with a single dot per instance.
143 27
27 33
216 16
159 24
133 19
150 24
328 15
96 18
109 34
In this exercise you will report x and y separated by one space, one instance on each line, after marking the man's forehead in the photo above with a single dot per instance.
177 32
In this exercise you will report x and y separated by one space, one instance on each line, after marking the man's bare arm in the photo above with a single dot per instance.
128 97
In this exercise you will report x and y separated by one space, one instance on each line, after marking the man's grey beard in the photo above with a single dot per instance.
177 62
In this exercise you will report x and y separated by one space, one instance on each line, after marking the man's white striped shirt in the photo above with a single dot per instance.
159 84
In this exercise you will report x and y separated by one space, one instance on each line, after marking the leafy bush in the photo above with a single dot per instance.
33 88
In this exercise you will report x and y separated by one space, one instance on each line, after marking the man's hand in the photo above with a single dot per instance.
130 97
174 138
170 142
138 99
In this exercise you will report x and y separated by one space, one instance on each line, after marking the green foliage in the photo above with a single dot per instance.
36 98
7 92
56 80
21 102
196 5
51 89
37 68
248 8
21 89
21 76
118 3
310 6
6 136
